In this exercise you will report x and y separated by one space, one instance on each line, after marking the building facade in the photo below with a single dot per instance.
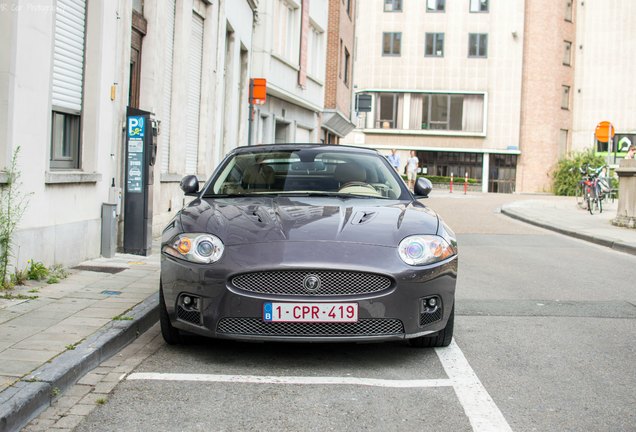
336 117
289 51
446 81
70 69
498 90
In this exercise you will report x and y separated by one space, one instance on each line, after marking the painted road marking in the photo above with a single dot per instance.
254 379
481 410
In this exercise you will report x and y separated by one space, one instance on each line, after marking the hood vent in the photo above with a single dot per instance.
362 217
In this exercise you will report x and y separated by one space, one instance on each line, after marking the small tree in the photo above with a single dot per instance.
13 204
566 174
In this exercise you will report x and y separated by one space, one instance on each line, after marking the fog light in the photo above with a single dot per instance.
432 302
187 300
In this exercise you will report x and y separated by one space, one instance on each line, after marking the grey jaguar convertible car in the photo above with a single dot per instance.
308 243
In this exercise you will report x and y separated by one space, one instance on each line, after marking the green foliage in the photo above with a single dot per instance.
58 271
36 270
19 277
17 297
13 204
122 318
53 280
566 174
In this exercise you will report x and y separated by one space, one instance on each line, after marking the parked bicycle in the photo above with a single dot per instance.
592 188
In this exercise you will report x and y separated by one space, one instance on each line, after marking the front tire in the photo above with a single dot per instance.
440 339
171 335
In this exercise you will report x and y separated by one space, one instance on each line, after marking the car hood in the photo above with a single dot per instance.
249 220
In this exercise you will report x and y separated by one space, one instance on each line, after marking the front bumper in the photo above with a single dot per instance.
226 311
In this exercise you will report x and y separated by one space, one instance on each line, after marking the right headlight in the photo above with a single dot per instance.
425 249
199 248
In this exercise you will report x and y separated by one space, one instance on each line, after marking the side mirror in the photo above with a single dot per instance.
423 187
189 185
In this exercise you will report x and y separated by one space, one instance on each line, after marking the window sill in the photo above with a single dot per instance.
430 132
285 61
70 177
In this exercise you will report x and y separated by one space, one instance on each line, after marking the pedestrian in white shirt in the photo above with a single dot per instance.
411 169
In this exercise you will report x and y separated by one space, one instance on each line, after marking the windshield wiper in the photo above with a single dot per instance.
328 194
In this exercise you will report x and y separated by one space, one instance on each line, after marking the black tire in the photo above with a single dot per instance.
171 335
591 201
440 339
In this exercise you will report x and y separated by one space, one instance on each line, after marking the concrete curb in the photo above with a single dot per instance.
23 401
617 246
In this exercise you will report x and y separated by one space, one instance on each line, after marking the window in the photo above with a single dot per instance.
477 45
567 53
565 97
65 140
568 10
67 84
315 61
479 5
391 44
347 58
435 5
348 7
286 31
388 110
450 112
392 5
434 46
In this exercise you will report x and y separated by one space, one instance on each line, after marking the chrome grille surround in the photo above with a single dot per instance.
257 327
332 282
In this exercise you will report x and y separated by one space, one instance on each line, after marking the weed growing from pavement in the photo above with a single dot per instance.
36 270
30 380
17 297
19 277
71 346
122 318
13 204
34 290
55 392
100 401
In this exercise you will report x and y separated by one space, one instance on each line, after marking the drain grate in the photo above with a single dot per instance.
101 269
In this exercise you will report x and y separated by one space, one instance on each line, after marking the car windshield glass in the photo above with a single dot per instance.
308 171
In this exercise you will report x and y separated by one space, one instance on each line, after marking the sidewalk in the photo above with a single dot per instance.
51 335
562 214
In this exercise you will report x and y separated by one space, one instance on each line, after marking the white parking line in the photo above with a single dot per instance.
483 414
254 379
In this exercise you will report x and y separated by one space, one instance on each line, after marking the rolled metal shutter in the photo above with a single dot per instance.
194 93
167 89
68 54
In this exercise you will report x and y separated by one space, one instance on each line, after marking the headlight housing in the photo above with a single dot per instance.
199 248
425 249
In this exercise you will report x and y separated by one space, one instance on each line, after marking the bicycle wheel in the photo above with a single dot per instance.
592 201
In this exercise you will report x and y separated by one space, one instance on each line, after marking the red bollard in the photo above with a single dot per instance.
465 183
451 183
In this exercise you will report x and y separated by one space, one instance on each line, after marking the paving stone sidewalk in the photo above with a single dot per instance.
562 214
41 323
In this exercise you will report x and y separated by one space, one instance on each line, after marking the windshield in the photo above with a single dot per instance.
307 171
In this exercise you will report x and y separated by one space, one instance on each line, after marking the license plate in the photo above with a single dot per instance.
310 312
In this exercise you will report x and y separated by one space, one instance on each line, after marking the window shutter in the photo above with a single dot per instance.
167 90
68 54
194 93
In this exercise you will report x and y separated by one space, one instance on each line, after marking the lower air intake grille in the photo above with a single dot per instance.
256 326
429 318
193 317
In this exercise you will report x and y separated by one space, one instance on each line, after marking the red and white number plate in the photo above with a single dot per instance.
310 312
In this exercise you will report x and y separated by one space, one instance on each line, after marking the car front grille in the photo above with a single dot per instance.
257 327
292 282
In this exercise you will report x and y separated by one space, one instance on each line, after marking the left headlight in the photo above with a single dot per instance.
425 249
199 248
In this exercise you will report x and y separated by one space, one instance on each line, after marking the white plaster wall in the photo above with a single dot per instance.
604 76
62 221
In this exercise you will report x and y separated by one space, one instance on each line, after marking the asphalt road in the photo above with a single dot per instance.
545 339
